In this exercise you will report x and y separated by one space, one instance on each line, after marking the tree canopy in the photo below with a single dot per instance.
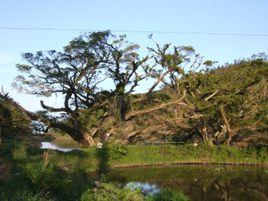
97 74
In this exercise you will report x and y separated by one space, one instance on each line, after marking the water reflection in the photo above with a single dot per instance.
49 145
202 183
146 188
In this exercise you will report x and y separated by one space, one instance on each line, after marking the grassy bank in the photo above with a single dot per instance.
31 173
114 156
150 155
140 155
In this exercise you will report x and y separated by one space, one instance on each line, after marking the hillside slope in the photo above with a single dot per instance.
13 119
227 105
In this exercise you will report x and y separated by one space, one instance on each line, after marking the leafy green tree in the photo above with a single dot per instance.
126 68
171 63
77 73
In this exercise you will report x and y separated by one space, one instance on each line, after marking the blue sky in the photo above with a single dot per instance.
228 16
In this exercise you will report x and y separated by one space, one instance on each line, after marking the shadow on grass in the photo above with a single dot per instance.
35 173
102 156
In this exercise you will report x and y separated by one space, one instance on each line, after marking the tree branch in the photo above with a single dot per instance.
210 96
160 79
226 122
159 107
52 109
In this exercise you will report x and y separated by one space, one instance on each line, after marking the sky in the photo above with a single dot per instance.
217 16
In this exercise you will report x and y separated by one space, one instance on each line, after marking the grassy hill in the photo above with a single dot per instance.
14 120
226 105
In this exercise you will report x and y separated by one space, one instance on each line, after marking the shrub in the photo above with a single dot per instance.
117 151
110 192
20 152
29 196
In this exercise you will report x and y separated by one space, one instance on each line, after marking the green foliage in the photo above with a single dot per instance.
13 121
19 152
29 196
189 153
111 192
167 195
117 151
39 175
90 118
241 89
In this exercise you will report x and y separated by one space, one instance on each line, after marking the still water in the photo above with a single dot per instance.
200 183
51 146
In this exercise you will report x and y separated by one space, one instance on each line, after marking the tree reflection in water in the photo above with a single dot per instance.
203 183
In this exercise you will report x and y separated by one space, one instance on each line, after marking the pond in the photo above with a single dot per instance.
51 146
200 182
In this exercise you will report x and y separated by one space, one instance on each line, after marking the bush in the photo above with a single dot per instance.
117 151
29 196
110 192
20 152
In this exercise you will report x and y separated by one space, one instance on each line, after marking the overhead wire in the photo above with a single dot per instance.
137 31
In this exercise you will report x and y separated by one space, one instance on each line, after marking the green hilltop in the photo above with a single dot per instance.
234 96
224 105
14 120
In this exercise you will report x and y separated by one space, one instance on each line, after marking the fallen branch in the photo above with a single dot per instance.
159 107
226 122
210 96
145 99
160 79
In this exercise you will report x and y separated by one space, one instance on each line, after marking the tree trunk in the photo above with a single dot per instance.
121 103
122 107
227 125
160 79
204 133
75 133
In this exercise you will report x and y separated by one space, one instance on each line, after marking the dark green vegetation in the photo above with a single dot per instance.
197 101
28 173
14 122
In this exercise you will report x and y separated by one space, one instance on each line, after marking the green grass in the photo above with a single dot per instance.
89 159
150 155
